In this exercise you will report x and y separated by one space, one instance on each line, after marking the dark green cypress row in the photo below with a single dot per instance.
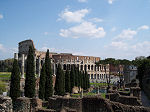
48 84
76 77
67 81
30 74
59 85
88 81
42 83
15 81
72 77
81 79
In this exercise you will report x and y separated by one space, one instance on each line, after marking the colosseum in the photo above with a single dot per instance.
96 73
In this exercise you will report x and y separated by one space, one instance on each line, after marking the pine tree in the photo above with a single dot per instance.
42 83
15 81
30 74
48 84
67 81
72 77
60 83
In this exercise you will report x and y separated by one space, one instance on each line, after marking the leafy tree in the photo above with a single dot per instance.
67 81
72 77
48 85
42 82
59 85
15 81
30 74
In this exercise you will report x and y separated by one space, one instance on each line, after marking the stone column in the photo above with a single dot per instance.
39 66
16 56
22 66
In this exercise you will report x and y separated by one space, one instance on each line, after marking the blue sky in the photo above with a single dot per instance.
103 28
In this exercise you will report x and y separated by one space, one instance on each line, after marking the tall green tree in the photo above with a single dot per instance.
72 77
30 74
76 76
49 83
67 81
59 85
42 82
87 80
15 81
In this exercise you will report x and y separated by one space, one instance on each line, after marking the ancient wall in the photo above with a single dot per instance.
59 103
5 104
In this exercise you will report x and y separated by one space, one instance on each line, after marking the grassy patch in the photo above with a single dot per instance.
5 74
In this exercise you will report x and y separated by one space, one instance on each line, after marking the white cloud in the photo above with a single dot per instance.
110 1
85 29
96 20
2 49
113 29
142 48
1 16
126 34
76 16
45 33
82 0
118 45
144 27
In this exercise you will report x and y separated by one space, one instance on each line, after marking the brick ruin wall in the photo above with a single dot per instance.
62 104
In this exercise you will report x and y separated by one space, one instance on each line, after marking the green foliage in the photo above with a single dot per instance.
2 87
67 81
6 65
42 83
30 74
48 85
143 69
72 77
60 85
76 76
15 81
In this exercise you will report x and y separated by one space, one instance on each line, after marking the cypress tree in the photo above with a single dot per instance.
60 83
81 79
30 74
72 78
76 77
15 81
87 82
67 81
84 81
42 83
48 84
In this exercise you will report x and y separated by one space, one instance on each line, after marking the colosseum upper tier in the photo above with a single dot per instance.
84 63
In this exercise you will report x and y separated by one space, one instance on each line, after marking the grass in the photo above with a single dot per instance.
5 74
99 84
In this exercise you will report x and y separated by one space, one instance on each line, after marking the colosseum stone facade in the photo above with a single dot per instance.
96 73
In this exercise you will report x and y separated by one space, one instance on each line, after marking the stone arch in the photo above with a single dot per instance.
91 76
85 67
64 67
91 67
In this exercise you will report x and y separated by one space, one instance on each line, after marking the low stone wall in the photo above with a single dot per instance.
95 104
24 104
128 100
59 103
5 104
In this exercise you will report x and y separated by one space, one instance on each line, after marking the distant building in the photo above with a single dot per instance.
130 73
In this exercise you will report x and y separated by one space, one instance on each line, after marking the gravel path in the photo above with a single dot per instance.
145 100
